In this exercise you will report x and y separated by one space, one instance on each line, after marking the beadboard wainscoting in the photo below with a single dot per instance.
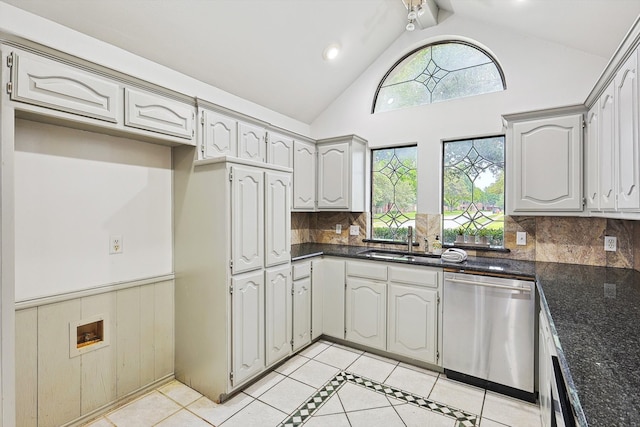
55 387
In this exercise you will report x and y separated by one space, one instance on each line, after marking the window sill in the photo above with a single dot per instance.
479 248
389 242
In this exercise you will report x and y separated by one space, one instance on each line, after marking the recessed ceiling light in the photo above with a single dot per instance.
331 52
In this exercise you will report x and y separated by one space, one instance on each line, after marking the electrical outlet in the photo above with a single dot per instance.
338 228
521 238
115 245
610 243
354 230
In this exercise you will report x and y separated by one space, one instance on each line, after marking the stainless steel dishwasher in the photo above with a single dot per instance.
489 332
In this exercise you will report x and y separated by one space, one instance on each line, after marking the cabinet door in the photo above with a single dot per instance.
148 111
304 176
280 150
219 137
301 313
591 174
278 313
606 154
247 322
413 322
53 85
333 286
333 176
247 221
547 164
251 143
626 98
277 218
366 310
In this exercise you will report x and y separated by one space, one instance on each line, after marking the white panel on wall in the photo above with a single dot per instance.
128 340
27 367
74 189
99 366
163 328
58 374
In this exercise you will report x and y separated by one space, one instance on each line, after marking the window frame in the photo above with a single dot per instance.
370 238
447 41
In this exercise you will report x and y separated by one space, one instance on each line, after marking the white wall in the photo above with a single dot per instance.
73 190
25 25
538 74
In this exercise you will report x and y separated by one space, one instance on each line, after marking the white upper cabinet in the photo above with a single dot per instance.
545 165
616 167
218 136
280 150
605 168
251 142
47 83
304 176
155 113
247 222
341 174
277 218
626 136
592 191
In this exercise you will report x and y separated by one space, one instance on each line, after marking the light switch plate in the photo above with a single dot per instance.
521 238
354 230
338 228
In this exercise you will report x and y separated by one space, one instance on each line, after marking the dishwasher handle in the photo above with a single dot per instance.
488 285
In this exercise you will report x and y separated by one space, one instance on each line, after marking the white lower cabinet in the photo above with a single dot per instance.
333 285
277 314
247 320
366 311
413 322
301 313
384 306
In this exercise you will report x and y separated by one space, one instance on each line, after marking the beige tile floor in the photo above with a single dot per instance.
278 395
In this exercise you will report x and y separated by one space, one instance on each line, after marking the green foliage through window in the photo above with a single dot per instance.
393 192
438 72
473 190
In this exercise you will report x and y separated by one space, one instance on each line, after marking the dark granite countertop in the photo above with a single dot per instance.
595 319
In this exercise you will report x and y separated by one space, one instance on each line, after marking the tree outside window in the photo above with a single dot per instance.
394 189
473 190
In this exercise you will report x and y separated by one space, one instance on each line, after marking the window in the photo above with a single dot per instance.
438 72
473 191
393 192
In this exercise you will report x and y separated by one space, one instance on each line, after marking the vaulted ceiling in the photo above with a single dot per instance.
270 51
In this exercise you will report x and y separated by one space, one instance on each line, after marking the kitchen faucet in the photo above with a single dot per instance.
410 239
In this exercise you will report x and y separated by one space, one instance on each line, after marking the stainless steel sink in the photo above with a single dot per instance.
384 254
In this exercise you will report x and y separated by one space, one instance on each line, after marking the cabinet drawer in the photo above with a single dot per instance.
368 270
148 111
50 84
414 276
301 270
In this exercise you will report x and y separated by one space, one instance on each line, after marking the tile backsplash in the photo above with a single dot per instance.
552 239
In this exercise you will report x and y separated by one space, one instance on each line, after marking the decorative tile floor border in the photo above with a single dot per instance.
307 409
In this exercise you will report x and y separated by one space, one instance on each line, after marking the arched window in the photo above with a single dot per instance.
438 72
